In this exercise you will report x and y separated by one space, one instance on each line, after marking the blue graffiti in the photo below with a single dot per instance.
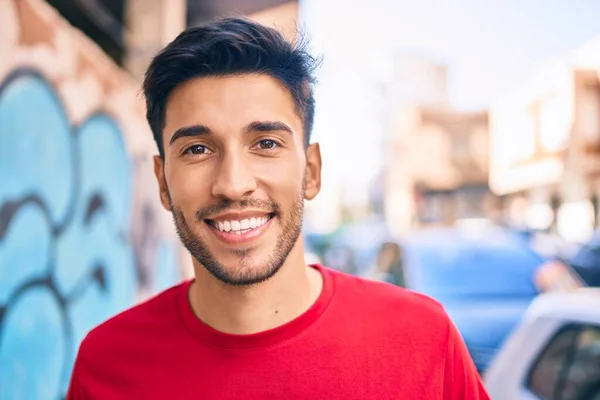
66 260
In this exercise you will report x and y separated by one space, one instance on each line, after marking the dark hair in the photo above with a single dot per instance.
229 46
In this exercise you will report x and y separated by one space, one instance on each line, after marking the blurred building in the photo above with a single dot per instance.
437 168
131 32
435 157
545 147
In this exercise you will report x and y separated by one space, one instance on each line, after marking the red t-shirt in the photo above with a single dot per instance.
360 340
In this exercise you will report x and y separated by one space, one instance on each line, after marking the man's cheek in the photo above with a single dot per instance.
189 195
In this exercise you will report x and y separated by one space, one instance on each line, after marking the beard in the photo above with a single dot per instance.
248 270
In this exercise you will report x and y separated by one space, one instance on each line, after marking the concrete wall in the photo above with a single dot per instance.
82 235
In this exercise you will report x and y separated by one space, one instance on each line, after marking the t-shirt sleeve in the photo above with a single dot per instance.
461 379
74 391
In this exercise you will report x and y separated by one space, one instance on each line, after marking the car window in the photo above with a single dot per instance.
590 393
583 372
545 374
569 367
594 394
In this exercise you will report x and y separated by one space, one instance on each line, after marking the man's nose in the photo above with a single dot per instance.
234 179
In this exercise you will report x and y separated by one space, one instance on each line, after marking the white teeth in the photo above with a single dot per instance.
240 227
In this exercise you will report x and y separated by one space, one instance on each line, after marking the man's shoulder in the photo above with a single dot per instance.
381 299
141 318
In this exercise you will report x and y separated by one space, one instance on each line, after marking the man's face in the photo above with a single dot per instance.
235 174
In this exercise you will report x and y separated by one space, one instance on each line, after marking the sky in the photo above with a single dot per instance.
491 46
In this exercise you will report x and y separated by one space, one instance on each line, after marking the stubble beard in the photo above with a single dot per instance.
247 272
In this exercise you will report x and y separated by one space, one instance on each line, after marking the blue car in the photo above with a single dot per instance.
484 279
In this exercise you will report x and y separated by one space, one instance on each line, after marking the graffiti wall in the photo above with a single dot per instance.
82 235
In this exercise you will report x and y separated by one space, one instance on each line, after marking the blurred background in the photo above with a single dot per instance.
461 150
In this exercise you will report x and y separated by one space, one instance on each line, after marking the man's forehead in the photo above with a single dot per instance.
229 88
231 102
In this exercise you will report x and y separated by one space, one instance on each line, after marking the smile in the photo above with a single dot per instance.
240 230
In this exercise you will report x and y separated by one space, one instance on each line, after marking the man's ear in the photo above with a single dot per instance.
312 177
159 172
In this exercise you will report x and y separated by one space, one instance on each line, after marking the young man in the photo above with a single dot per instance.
231 108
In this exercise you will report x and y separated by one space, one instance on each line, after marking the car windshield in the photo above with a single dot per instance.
452 265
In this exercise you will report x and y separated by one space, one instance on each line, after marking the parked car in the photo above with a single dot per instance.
554 353
483 277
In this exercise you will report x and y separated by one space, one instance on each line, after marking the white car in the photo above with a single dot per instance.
554 353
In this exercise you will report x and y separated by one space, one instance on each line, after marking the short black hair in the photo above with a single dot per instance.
230 46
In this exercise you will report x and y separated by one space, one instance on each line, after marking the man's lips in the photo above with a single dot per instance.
240 215
240 222
239 231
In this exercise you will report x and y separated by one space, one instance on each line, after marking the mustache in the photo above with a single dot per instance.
267 205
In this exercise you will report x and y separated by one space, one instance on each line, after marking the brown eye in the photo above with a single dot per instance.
196 149
267 144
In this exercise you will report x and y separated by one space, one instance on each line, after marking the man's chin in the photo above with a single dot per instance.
236 277
241 269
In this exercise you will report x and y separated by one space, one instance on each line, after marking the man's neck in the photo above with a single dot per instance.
246 310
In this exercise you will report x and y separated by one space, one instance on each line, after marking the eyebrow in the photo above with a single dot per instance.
187 131
268 126
256 126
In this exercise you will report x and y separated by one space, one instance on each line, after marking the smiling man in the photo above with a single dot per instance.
231 108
